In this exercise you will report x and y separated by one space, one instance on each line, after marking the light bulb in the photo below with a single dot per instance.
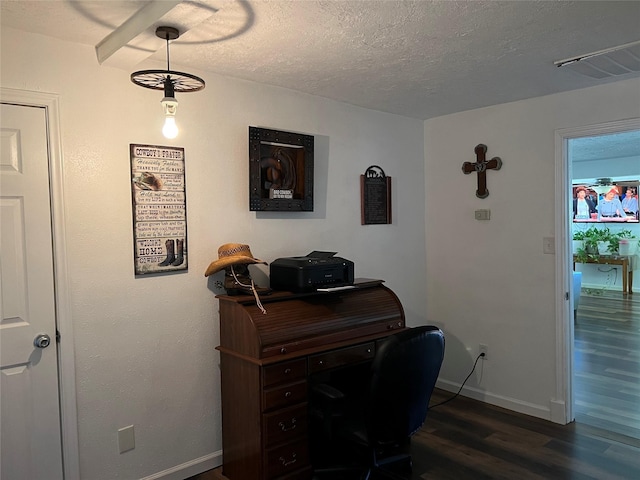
169 106
170 129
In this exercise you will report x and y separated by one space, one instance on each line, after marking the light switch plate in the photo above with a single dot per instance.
483 214
126 439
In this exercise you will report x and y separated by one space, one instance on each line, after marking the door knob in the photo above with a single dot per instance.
42 340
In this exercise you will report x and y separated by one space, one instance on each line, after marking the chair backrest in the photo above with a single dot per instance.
403 375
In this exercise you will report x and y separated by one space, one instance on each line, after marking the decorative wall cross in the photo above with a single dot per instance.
481 166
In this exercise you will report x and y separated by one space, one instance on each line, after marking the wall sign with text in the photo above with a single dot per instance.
158 194
375 197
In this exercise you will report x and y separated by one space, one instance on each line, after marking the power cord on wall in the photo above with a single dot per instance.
461 386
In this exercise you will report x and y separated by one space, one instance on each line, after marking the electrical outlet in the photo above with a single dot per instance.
483 349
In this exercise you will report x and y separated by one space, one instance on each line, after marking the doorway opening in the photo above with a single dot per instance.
605 326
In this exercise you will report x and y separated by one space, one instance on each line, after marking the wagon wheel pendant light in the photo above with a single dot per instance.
170 81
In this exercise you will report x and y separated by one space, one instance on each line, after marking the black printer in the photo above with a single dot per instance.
309 273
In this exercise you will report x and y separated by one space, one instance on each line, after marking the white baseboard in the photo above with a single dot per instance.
189 469
558 412
514 404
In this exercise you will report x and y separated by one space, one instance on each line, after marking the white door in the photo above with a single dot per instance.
30 408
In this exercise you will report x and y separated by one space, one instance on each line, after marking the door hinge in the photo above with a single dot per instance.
57 336
566 295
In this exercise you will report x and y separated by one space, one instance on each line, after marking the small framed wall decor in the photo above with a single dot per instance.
375 197
280 171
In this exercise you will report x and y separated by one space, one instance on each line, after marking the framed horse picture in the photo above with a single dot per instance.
280 171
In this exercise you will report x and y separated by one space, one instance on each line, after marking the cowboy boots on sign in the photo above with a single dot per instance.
179 254
170 254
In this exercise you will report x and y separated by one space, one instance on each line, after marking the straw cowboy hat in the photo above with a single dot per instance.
232 254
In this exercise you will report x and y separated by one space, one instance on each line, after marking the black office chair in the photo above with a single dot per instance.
381 419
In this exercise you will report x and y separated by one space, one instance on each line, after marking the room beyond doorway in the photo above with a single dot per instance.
606 365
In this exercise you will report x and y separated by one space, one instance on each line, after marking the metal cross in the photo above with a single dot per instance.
481 166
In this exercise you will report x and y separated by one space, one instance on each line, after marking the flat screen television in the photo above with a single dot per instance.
604 202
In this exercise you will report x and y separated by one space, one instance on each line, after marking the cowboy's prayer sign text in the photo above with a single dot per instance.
158 194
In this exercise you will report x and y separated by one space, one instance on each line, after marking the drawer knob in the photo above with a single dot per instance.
283 350
321 362
286 462
368 350
284 427
287 371
287 394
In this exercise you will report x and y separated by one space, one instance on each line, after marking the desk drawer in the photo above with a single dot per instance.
284 425
284 395
286 459
342 356
284 372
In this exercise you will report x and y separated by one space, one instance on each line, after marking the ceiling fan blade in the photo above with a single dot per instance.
132 27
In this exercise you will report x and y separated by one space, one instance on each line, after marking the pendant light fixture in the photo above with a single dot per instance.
170 81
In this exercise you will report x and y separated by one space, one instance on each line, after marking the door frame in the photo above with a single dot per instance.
562 408
64 324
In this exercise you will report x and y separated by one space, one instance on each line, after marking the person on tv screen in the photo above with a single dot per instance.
610 206
583 207
630 202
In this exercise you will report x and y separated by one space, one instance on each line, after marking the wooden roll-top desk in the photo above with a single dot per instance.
267 363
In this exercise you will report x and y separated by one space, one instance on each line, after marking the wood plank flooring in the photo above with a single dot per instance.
607 361
467 439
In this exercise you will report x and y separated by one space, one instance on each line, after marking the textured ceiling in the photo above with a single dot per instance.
417 58
611 147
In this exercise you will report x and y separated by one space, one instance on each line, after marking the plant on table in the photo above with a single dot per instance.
614 241
591 237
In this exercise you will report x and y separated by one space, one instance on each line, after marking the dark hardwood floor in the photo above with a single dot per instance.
607 361
470 440
467 439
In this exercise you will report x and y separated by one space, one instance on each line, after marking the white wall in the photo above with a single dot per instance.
488 281
145 346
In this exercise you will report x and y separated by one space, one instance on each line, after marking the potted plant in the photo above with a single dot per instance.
578 241
595 241
584 245
581 256
624 242
592 236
